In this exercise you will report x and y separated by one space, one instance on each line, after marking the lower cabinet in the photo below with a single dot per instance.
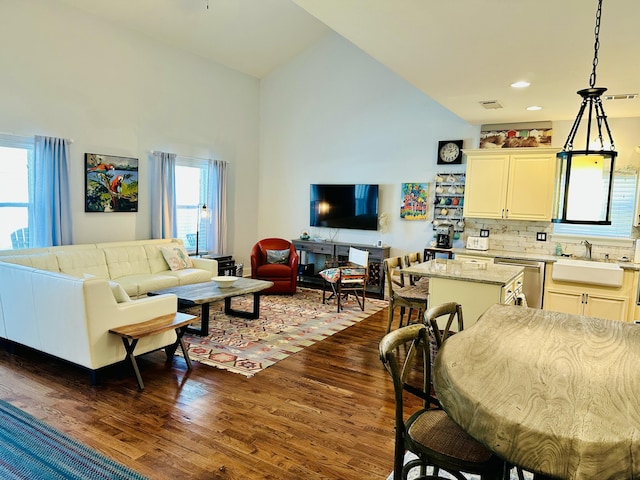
613 303
589 304
474 296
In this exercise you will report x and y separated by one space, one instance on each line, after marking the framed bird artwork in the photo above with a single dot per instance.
111 183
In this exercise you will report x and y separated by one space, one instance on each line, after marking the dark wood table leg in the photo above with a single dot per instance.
203 331
240 313
130 347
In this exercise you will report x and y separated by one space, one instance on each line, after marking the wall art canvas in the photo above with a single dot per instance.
415 201
530 134
111 183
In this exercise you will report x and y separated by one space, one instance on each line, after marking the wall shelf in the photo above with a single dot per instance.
449 200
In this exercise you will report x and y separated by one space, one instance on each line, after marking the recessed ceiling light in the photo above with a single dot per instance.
521 84
534 107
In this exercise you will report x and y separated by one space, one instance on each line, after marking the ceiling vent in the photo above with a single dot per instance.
491 104
622 96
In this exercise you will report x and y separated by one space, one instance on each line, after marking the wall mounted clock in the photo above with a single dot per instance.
449 152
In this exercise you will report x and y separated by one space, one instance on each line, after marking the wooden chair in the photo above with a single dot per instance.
441 332
401 295
349 278
428 432
414 259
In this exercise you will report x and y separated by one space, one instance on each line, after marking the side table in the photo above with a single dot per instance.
226 263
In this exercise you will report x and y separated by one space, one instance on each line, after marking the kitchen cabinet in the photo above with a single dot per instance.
510 184
613 303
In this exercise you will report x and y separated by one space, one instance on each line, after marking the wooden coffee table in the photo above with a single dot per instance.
208 292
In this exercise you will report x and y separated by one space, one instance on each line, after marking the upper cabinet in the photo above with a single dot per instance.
510 183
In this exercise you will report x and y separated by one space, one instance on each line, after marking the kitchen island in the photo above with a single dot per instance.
475 286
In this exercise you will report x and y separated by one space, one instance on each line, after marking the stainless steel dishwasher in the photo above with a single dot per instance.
533 281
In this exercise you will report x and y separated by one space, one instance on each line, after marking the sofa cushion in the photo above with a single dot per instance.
125 261
157 263
137 285
41 261
177 257
190 275
79 262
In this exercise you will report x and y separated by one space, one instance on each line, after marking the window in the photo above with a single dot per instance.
16 155
622 212
192 178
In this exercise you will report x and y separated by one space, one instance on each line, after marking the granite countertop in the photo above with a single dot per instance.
465 271
539 257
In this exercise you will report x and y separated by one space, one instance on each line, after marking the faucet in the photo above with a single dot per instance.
588 247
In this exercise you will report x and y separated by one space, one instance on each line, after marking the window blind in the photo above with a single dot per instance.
622 212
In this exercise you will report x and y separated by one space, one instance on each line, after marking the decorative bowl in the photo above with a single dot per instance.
224 281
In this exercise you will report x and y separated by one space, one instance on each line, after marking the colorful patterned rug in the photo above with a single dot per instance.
287 324
31 449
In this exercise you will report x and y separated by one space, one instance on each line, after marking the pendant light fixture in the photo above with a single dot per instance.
585 177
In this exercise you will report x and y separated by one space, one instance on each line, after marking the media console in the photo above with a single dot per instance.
315 255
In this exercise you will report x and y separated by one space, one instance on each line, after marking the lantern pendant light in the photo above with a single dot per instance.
584 178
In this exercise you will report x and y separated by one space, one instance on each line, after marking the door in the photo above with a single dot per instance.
486 186
531 184
612 308
566 302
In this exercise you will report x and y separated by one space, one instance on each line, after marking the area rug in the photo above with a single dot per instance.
287 324
30 449
414 473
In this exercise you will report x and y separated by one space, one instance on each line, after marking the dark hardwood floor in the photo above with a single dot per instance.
323 413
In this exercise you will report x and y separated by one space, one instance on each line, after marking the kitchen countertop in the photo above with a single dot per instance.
465 271
539 257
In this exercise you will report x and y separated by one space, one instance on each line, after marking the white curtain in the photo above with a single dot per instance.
163 200
50 215
217 238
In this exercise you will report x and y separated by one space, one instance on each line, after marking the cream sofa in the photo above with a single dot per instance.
63 300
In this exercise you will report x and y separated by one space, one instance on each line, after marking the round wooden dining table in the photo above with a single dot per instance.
554 393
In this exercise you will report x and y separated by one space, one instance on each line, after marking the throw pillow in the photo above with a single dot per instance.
176 257
278 256
119 293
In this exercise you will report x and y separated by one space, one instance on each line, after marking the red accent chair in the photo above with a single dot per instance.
283 275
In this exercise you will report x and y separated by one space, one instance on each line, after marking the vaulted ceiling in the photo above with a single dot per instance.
459 52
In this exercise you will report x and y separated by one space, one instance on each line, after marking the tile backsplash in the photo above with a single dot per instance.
515 236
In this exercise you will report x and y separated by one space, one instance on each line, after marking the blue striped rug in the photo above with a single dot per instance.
30 449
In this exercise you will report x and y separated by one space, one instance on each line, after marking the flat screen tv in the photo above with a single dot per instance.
344 206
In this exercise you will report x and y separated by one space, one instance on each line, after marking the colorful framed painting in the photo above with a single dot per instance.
531 134
415 201
111 183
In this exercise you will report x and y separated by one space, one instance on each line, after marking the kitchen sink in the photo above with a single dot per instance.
586 271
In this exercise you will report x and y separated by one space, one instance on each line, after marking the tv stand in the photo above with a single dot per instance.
313 256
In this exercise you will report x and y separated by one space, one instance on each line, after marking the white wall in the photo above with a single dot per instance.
334 114
70 75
